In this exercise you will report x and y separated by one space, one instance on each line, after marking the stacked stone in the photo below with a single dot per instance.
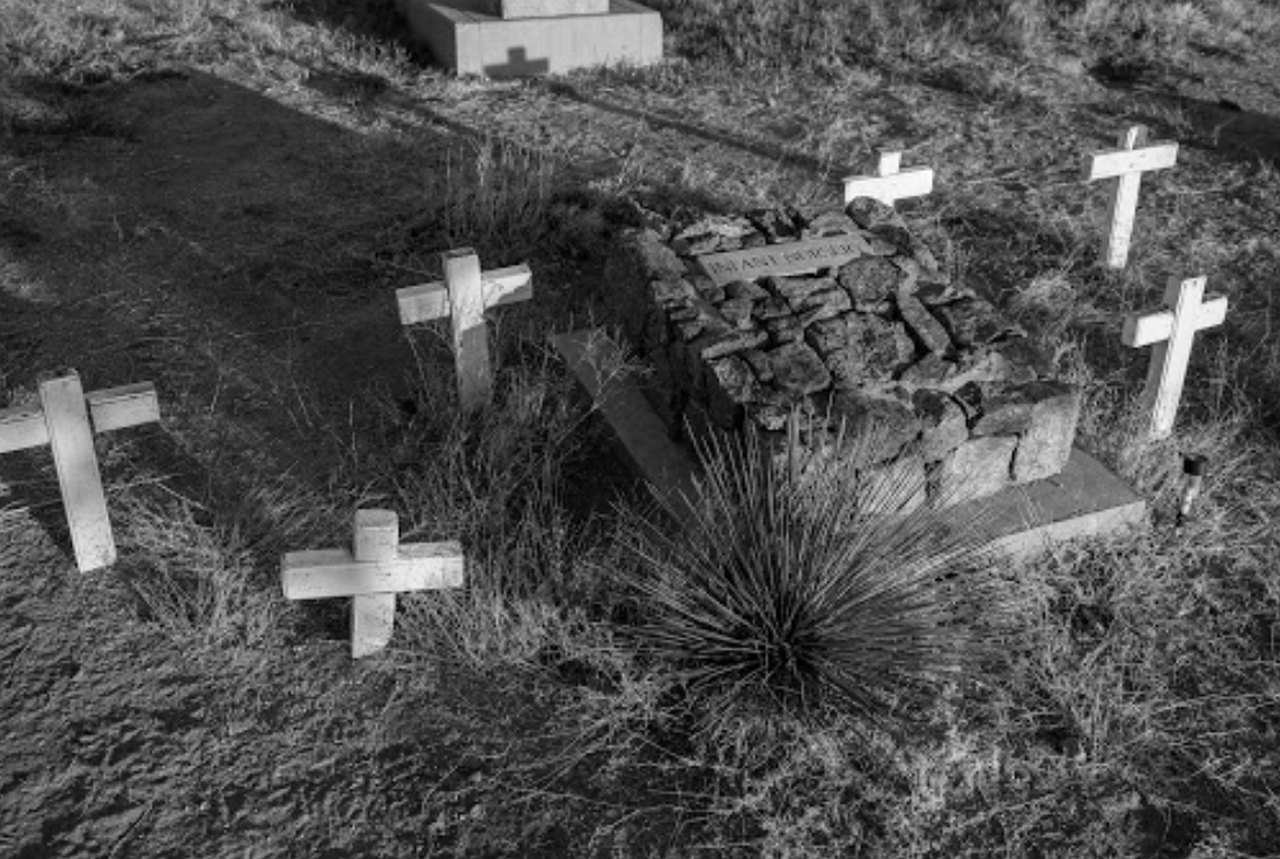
882 341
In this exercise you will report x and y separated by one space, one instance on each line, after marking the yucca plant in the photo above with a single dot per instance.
809 581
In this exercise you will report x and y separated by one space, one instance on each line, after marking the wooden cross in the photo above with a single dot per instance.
1126 165
464 295
891 183
1171 333
66 420
372 572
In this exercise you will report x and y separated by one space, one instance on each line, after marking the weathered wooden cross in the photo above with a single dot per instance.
1126 165
372 572
1170 333
464 295
891 183
65 423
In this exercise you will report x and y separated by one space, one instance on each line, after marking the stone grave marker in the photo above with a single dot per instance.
372 572
66 420
512 38
463 296
1171 333
890 182
1126 165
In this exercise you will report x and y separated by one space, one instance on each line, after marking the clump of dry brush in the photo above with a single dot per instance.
810 585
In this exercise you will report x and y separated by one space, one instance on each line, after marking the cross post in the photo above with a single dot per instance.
464 295
372 572
66 420
1126 165
890 182
1170 333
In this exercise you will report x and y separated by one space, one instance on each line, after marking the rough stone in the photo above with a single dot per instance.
973 322
707 289
795 289
798 369
885 422
975 469
886 345
737 311
869 281
672 293
726 343
745 289
1005 411
822 305
759 363
775 224
1045 446
921 322
942 423
730 386
829 223
768 416
827 335
931 371
712 234
784 329
868 212
772 307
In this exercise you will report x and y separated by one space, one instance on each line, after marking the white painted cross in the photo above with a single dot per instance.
372 572
464 295
1170 333
66 420
1126 165
891 183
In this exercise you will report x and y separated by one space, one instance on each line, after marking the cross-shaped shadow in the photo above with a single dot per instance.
518 65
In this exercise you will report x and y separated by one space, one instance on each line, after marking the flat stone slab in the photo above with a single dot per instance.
640 433
1083 500
521 38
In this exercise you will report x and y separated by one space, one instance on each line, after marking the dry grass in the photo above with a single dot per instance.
1131 707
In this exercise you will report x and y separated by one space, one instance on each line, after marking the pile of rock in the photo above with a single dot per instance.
846 317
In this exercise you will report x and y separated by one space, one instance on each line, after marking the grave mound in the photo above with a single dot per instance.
846 318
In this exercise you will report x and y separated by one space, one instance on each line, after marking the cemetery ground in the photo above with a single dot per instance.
221 198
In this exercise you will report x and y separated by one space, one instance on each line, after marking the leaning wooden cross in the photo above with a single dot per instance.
66 420
372 572
1170 333
1126 165
464 295
891 183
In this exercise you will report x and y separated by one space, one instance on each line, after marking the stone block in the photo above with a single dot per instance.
827 336
931 371
886 347
1005 411
466 38
885 422
975 469
943 426
797 369
870 281
822 305
547 8
973 322
737 311
868 212
745 289
795 289
784 329
1044 448
730 386
773 307
921 322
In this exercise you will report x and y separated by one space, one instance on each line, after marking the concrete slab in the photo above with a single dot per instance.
1084 500
474 38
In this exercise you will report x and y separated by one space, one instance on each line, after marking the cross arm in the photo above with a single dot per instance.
1120 162
112 409
913 182
1146 329
431 300
325 573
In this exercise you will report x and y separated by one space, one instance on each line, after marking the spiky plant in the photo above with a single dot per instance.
808 581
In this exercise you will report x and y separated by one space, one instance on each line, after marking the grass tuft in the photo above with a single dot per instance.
789 590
